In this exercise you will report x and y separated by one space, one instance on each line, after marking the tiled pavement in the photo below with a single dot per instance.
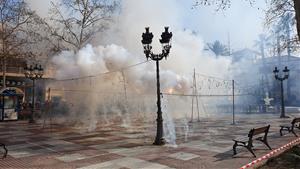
206 144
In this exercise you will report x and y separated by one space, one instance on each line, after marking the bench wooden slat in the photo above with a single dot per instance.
290 128
296 120
285 125
260 130
247 142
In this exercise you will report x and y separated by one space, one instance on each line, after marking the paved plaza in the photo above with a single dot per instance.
206 144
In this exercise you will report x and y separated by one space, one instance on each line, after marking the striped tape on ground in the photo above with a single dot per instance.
272 153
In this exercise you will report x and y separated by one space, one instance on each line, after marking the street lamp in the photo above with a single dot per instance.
33 72
281 79
166 46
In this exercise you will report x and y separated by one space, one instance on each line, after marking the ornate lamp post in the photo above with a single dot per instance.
33 72
166 46
281 79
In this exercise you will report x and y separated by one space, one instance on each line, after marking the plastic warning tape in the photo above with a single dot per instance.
272 153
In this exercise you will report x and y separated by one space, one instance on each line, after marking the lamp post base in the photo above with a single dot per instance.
284 117
160 141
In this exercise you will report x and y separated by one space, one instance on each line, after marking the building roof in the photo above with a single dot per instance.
282 59
244 54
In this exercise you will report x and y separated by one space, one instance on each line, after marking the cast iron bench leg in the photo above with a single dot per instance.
251 151
281 131
234 148
267 144
5 149
294 133
284 128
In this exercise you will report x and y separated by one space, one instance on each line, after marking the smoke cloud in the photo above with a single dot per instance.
132 90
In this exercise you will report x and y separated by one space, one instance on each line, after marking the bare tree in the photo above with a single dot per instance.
262 43
277 8
220 4
284 12
74 22
297 13
281 16
17 31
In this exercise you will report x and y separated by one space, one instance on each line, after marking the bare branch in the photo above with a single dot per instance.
76 21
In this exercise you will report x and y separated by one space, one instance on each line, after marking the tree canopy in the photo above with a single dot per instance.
218 48
74 22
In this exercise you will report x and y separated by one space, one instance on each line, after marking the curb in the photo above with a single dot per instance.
272 153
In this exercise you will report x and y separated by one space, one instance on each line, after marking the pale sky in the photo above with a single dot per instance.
242 21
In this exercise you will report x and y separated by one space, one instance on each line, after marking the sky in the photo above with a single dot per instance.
241 23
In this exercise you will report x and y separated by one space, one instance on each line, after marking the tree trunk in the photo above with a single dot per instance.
3 65
3 72
297 10
289 51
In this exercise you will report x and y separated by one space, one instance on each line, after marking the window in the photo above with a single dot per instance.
10 102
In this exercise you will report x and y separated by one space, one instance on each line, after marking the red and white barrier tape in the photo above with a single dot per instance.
272 153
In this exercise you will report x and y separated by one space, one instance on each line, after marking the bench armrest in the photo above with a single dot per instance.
285 126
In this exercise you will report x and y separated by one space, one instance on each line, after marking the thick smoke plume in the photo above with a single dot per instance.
128 90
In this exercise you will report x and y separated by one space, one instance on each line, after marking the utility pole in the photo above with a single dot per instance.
265 83
3 65
124 85
233 113
233 107
289 51
47 108
126 119
278 48
195 96
3 72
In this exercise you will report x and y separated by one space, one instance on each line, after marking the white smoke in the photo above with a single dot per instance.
121 47
92 60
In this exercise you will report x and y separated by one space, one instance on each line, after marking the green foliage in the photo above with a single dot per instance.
218 48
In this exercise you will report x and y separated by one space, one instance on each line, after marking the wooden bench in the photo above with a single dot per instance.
290 128
247 142
5 150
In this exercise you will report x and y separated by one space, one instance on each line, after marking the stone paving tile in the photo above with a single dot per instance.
28 153
71 157
127 162
108 145
130 145
22 153
201 153
38 162
18 146
206 144
78 137
183 156
180 164
94 160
